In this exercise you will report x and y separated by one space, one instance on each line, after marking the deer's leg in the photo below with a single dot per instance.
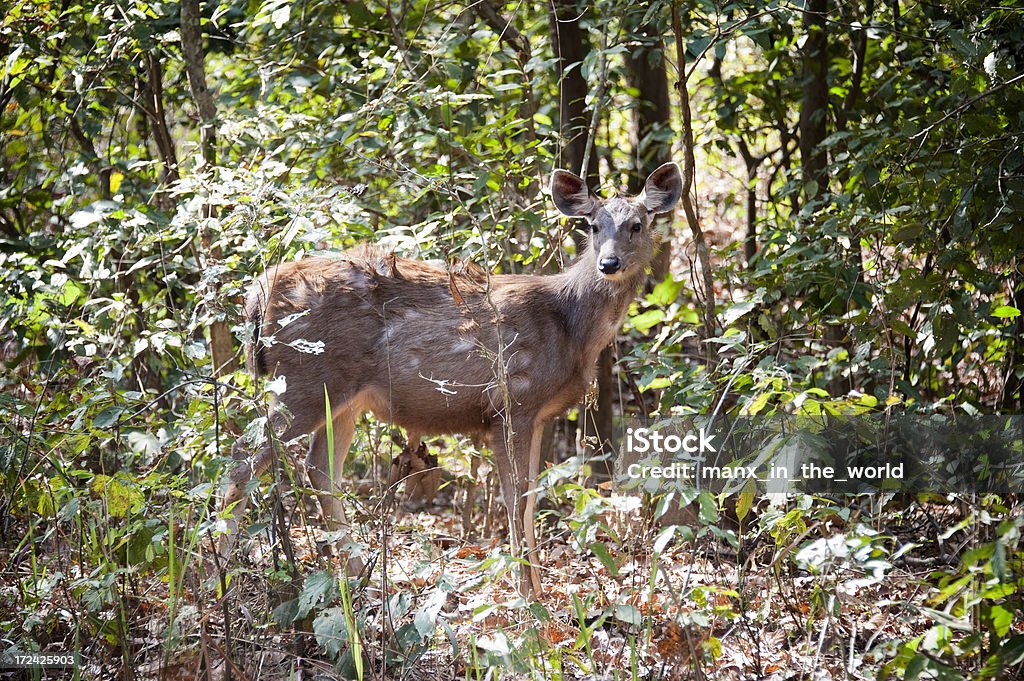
325 475
325 472
530 504
517 456
246 468
236 498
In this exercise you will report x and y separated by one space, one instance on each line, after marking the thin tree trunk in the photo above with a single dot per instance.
571 46
221 344
752 164
195 67
813 130
1013 386
645 68
814 107
161 133
848 111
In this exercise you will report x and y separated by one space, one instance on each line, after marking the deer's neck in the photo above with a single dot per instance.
594 306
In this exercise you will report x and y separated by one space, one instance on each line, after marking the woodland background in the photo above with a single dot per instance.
851 244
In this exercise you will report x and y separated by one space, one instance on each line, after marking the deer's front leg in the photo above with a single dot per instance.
517 456
236 497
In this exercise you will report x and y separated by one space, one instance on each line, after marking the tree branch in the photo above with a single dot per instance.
505 30
155 111
968 104
860 45
689 202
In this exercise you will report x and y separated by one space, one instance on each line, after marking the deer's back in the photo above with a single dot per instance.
415 343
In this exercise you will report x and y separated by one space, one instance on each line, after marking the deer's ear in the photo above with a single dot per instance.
663 188
570 194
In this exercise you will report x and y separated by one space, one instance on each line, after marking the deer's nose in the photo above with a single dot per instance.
609 265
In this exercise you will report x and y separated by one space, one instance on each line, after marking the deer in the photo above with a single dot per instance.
438 350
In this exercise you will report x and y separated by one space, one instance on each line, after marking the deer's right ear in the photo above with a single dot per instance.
570 194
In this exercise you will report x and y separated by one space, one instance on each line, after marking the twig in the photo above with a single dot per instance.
969 103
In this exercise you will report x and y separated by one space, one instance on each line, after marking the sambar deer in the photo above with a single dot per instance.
442 351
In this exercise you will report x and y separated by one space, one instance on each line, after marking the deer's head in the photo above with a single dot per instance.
621 237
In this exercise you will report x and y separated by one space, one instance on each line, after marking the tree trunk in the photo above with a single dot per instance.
814 107
689 202
571 46
813 156
645 69
1013 387
195 67
751 163
221 344
161 133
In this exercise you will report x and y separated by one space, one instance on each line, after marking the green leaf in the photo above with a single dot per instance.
118 497
708 510
755 405
901 327
664 537
1012 651
645 320
426 615
107 417
745 499
286 613
1000 619
627 613
1006 312
736 311
331 631
666 292
999 561
603 555
542 119
320 588
656 384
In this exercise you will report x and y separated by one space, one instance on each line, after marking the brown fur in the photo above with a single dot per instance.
438 351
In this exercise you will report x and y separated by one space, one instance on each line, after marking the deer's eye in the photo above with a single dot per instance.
636 227
594 227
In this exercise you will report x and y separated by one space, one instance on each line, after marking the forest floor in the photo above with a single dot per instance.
439 601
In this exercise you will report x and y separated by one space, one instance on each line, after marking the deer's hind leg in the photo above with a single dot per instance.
325 474
325 470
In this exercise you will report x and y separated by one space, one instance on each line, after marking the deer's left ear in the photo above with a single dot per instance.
663 188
